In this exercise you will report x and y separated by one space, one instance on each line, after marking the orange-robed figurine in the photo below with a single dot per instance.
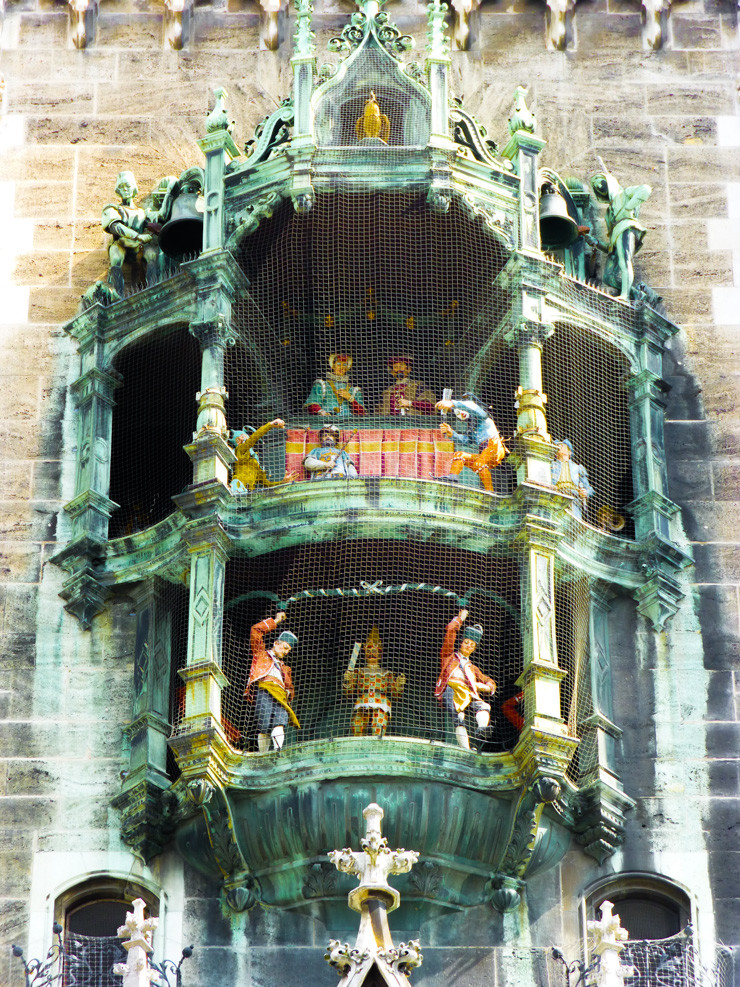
270 679
461 683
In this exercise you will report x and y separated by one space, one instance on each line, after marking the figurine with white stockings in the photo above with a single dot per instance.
461 684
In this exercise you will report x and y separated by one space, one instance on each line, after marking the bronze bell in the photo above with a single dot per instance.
182 234
558 229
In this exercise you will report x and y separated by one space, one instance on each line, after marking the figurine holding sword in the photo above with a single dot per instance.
373 686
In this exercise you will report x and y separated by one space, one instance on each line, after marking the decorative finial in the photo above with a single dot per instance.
522 117
304 36
373 898
136 934
438 44
218 118
373 123
608 936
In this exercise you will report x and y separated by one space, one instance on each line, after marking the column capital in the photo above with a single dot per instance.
214 332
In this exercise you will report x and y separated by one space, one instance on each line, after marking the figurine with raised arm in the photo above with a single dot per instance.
328 460
405 396
374 688
462 684
333 396
270 684
127 224
624 231
248 471
571 478
485 437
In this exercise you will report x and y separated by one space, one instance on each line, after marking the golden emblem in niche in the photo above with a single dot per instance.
373 123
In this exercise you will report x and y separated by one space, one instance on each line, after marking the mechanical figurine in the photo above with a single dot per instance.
625 233
485 436
334 396
270 684
248 471
461 684
571 478
328 460
128 225
374 687
405 396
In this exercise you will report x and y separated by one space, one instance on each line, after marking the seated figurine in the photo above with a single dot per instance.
374 688
571 478
405 396
248 471
333 396
485 436
327 460
128 224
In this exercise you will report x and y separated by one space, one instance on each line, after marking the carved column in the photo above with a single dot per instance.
441 146
91 507
200 742
143 801
302 144
532 452
304 66
218 280
523 149
658 598
219 149
602 801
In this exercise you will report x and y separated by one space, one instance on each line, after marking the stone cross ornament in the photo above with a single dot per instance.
137 935
374 952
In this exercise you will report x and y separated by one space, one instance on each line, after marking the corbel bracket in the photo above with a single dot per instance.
654 16
241 888
83 21
559 23
178 15
506 884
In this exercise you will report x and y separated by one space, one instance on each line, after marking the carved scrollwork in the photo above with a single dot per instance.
387 34
467 132
495 219
344 957
249 219
352 34
404 958
270 133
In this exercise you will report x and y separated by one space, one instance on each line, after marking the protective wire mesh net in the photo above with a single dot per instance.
335 595
89 961
675 962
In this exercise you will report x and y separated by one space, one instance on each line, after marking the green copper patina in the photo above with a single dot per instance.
483 823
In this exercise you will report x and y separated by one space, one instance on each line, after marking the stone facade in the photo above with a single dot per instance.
71 120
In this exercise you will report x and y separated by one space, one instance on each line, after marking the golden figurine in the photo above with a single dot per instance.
373 123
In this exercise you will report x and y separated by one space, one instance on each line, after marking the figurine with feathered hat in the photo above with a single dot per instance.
248 471
270 683
461 684
483 435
